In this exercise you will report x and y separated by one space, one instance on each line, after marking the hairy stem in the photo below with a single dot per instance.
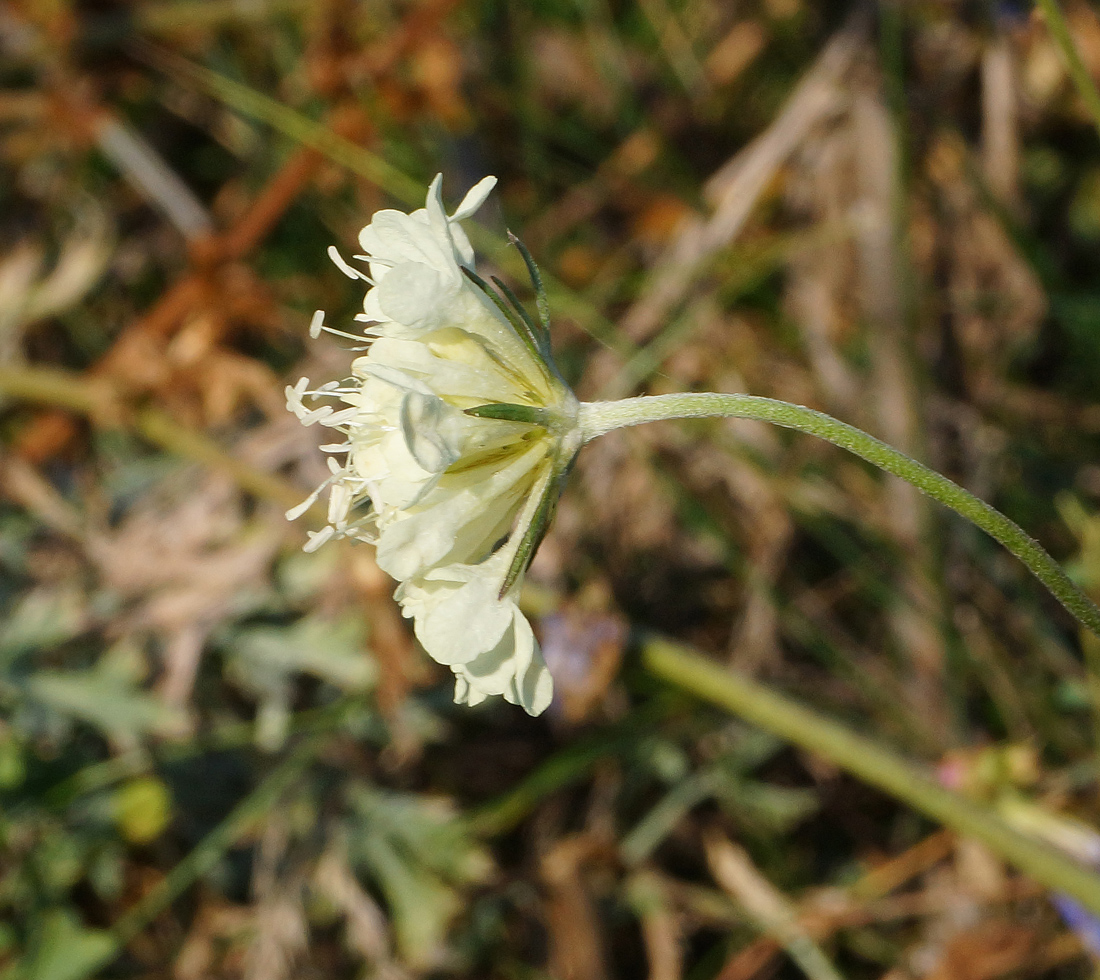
596 418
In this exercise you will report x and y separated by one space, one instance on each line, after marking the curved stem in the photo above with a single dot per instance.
596 418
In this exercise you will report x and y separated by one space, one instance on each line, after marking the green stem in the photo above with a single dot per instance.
596 418
178 16
358 160
300 128
205 856
100 775
54 386
98 399
570 765
1059 30
869 762
161 430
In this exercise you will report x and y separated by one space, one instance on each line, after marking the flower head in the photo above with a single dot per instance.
457 434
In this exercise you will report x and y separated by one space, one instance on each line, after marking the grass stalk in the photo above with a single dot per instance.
870 762
96 399
1082 80
201 860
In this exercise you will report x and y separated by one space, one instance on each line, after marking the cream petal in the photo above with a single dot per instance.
464 251
423 426
458 621
437 216
460 518
372 310
513 668
444 488
533 689
492 671
450 363
475 197
403 238
393 375
536 688
464 694
385 239
414 294
463 527
407 547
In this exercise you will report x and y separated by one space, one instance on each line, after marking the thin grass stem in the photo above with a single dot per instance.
1082 80
870 762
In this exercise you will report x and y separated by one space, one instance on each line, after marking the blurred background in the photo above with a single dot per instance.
222 757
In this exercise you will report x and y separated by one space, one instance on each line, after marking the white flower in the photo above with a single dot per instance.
458 431
486 641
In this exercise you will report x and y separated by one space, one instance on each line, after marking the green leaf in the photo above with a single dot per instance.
65 950
419 855
263 660
541 337
767 808
42 619
422 906
112 703
333 650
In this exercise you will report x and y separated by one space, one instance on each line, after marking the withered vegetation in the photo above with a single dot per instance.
221 757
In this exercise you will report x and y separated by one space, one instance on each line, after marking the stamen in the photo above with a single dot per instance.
311 417
295 512
318 538
338 504
341 263
375 259
342 416
350 336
